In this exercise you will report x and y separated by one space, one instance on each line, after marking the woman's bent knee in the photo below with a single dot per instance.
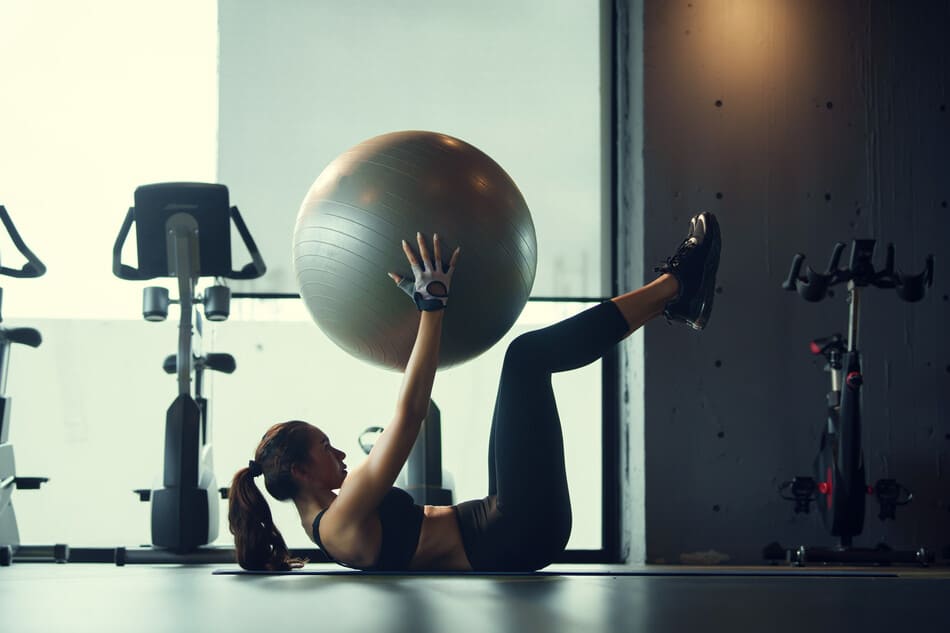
526 349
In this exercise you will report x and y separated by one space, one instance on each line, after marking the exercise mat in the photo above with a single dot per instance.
829 573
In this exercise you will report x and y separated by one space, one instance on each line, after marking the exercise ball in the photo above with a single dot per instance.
348 236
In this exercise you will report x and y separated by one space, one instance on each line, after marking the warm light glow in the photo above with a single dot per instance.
755 40
369 196
481 182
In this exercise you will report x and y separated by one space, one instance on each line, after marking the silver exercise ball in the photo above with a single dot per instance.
350 226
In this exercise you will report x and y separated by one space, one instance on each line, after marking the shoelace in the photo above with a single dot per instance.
667 267
673 261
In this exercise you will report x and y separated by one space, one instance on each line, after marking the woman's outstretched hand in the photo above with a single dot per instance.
429 284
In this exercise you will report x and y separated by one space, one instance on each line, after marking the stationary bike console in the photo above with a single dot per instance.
204 207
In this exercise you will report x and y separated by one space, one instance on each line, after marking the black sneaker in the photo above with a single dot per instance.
694 265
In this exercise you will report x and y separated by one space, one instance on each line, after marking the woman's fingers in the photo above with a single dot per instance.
424 251
429 284
455 258
437 251
409 254
426 260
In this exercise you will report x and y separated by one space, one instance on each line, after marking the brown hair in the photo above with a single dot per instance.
257 540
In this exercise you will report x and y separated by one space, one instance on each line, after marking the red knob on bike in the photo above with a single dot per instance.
854 380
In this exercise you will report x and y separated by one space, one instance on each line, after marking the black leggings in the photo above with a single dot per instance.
525 521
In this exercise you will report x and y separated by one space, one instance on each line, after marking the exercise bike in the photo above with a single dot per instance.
838 486
10 547
183 231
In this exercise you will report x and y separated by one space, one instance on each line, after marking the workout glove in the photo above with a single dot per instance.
429 284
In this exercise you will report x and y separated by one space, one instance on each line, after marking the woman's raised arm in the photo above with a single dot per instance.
365 487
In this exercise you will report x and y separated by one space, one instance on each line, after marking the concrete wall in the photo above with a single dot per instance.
798 124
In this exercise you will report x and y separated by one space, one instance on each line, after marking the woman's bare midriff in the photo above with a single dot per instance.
440 542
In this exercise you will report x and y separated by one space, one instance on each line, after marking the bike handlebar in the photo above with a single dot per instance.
33 266
22 335
813 286
256 268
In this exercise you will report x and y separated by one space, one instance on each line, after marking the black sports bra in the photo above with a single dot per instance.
401 520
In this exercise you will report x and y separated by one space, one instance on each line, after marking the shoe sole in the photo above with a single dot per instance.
710 268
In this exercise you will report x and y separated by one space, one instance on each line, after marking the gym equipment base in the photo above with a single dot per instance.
880 555
58 553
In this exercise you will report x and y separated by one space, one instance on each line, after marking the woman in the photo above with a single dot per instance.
525 520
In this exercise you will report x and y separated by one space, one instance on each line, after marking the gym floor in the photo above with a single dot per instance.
88 597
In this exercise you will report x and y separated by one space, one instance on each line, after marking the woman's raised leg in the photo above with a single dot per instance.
525 397
526 447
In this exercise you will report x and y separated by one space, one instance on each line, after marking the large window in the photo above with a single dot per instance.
301 82
102 97
98 98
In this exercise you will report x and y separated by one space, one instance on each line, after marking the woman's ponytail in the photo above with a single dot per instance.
257 540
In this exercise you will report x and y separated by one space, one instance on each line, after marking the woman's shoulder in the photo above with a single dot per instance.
345 541
335 518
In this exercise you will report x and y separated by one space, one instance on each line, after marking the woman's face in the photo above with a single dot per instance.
326 469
